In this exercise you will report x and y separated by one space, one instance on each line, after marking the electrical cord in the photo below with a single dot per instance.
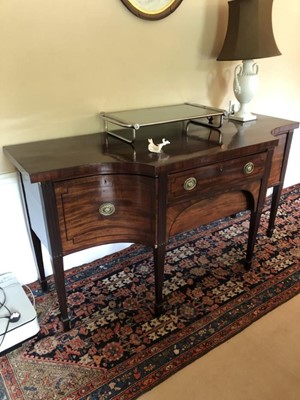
11 317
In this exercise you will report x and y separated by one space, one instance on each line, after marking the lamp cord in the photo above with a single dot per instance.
2 305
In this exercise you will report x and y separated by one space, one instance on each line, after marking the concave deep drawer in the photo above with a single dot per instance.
104 209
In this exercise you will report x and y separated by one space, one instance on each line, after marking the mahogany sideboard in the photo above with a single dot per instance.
93 189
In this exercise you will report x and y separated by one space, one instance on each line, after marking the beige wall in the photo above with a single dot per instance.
64 61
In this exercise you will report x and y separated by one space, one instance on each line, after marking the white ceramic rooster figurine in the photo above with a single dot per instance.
156 148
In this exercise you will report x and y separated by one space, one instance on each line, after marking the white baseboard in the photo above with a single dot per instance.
16 253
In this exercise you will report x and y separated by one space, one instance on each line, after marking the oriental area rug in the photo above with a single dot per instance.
117 348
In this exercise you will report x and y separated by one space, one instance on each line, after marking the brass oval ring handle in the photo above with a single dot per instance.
190 183
248 168
107 209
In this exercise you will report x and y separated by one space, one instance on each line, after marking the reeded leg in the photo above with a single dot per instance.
159 261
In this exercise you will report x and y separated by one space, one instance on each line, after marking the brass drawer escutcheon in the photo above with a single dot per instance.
107 209
248 168
190 183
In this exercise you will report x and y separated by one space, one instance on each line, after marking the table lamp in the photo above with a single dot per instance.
249 36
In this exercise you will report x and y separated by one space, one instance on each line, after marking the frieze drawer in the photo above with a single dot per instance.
104 209
215 178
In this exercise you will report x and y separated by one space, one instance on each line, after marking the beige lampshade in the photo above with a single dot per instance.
249 32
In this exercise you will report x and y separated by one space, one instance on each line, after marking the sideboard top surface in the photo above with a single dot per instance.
89 154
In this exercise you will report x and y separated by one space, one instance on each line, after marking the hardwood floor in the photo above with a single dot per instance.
260 363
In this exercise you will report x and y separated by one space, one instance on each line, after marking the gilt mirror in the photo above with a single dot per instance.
151 9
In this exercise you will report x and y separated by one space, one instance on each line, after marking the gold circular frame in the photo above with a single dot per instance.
151 9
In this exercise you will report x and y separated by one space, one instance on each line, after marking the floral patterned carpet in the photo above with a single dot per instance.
117 348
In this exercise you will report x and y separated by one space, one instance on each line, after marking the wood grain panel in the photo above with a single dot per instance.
81 223
189 215
276 169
